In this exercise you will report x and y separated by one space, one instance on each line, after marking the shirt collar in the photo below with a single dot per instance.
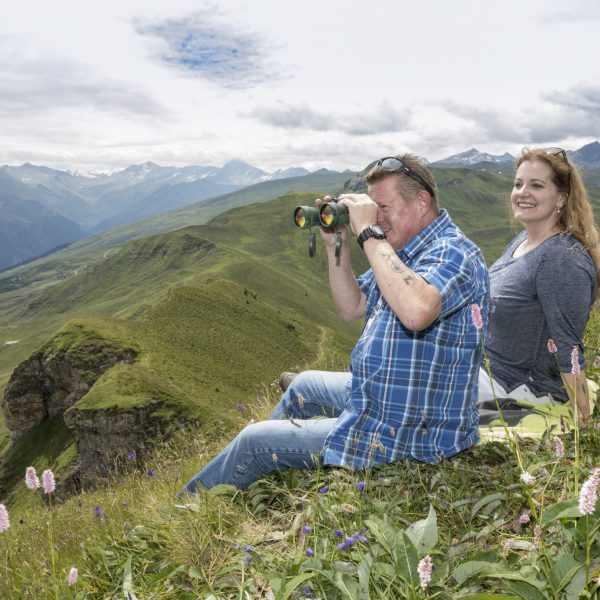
432 231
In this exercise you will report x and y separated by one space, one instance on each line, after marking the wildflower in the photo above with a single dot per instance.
151 473
426 566
559 448
182 424
361 485
527 479
537 536
240 407
324 489
552 346
309 552
524 518
506 548
349 541
4 520
31 479
249 559
339 533
98 511
48 481
73 574
575 368
476 316
125 504
363 538
306 529
589 493
341 546
248 548
131 455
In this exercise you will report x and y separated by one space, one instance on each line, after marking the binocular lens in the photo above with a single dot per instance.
300 217
327 215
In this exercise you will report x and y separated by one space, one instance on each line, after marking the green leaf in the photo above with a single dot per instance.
382 532
364 575
291 585
577 585
347 586
468 569
526 591
561 510
407 559
195 573
486 500
562 571
424 533
490 597
128 581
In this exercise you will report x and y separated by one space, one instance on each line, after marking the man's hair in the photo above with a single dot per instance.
407 186
576 216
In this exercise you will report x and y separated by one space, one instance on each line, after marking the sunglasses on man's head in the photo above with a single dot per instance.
391 164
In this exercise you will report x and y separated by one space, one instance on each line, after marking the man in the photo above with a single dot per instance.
413 384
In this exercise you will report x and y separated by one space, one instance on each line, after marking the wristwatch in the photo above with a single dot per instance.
372 231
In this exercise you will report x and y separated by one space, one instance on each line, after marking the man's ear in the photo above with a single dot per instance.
424 201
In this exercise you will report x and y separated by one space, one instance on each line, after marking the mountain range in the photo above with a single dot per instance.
44 208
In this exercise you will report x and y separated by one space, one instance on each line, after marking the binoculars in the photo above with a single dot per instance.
329 215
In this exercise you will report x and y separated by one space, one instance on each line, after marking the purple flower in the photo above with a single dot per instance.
131 455
476 316
240 407
588 495
125 504
425 568
98 511
73 574
4 520
361 485
306 529
341 546
527 478
324 489
182 424
248 548
151 473
309 552
306 592
552 346
575 368
363 538
248 559
559 448
31 479
349 541
48 481
339 533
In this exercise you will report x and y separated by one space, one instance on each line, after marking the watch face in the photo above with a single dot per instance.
377 230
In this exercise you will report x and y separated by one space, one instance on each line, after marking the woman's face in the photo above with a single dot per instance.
535 198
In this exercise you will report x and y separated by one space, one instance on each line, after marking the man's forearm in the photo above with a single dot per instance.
347 296
416 302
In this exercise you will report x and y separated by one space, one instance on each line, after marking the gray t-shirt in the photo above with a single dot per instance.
546 293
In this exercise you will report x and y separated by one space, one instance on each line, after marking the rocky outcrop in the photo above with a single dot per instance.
52 380
106 437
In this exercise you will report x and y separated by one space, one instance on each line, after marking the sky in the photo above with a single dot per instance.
97 86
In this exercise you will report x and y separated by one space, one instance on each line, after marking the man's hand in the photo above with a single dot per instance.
363 211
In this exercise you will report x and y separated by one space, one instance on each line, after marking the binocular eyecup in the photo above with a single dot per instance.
330 214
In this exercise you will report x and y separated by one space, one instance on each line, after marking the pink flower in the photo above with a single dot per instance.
31 479
552 346
4 520
424 569
73 574
506 548
575 368
524 518
589 493
48 481
559 448
476 316
527 479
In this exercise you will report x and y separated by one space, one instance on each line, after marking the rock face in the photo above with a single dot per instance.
104 438
52 380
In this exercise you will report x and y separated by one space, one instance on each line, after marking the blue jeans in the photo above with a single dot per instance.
292 438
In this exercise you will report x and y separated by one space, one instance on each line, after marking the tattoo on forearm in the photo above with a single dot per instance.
408 279
395 263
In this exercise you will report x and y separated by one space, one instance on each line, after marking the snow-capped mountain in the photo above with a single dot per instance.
474 156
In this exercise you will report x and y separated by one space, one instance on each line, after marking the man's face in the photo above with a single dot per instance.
400 218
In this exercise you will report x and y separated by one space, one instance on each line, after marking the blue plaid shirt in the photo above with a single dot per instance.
413 393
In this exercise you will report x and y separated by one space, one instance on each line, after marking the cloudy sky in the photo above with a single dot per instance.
97 86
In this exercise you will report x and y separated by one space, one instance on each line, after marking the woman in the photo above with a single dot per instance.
543 286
